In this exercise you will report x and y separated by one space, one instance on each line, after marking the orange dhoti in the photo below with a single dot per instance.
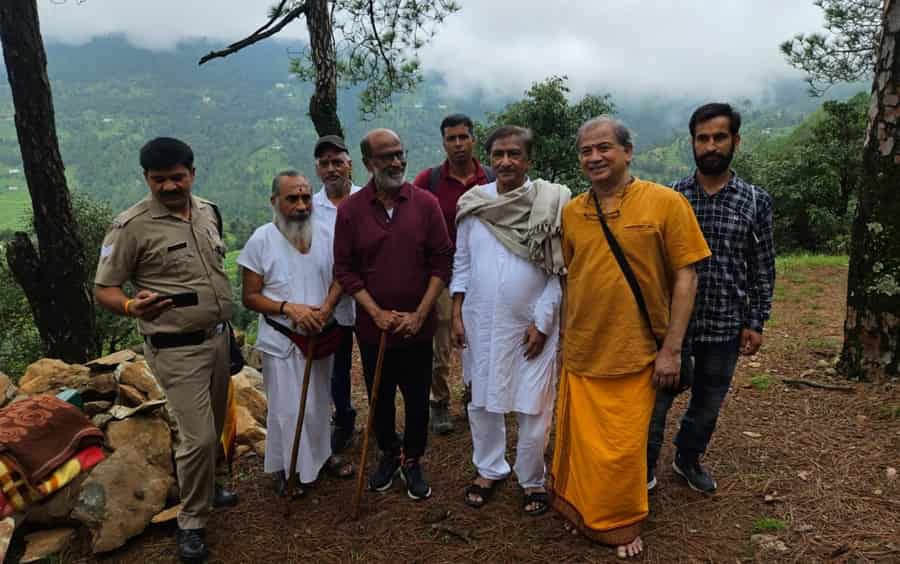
599 472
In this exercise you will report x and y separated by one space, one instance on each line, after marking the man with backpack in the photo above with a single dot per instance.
448 181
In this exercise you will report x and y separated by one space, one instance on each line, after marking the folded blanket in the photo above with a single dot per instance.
16 494
39 433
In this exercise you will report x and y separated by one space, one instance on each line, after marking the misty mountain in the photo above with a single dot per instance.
245 117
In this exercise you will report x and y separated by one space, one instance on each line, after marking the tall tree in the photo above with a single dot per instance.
554 121
872 329
846 53
370 42
53 276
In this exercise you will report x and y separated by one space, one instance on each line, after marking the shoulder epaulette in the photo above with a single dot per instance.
123 218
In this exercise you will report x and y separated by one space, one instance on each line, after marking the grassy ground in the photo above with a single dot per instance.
14 205
809 466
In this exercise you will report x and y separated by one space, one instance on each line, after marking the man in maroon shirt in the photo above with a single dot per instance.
393 255
448 181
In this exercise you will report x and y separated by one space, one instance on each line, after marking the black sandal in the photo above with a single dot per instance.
484 492
337 467
541 499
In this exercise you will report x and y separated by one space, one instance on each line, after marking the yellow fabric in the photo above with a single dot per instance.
598 477
658 232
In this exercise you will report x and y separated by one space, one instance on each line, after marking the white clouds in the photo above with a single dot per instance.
724 47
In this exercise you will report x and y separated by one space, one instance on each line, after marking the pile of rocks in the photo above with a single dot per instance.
135 485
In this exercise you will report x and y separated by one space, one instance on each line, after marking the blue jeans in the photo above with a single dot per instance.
713 367
344 414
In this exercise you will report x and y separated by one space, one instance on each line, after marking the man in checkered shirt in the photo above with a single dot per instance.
734 294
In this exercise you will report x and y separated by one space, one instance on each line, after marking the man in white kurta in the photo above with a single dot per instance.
506 316
295 290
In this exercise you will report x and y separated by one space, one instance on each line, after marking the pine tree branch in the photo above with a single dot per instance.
258 36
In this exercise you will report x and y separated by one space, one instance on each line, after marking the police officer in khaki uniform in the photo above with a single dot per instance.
168 245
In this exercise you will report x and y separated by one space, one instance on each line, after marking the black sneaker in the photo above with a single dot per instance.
697 478
192 545
416 485
381 479
223 497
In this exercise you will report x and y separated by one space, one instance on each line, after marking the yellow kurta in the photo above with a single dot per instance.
599 471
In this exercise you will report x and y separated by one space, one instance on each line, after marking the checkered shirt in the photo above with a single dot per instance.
735 284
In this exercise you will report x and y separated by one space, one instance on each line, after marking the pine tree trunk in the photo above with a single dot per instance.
54 275
323 103
872 329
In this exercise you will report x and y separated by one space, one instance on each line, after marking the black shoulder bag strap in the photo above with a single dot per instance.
626 270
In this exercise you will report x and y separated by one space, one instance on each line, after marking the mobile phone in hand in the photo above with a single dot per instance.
183 299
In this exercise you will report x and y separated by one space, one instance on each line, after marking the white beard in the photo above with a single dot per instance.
298 232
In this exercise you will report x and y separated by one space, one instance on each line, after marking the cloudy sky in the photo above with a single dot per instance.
713 47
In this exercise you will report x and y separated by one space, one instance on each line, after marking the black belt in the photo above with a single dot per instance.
170 340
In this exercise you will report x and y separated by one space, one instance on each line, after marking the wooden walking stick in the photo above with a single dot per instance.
293 476
370 420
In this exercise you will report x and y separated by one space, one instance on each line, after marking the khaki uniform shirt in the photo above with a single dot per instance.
158 251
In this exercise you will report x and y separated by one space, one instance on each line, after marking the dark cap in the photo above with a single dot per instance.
329 141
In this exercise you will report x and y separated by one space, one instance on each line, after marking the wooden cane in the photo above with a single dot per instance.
294 477
370 420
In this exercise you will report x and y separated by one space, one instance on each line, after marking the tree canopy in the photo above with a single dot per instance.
846 53
546 110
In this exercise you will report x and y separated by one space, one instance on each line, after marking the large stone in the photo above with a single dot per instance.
8 390
56 509
120 497
110 361
148 435
246 395
50 374
138 376
130 396
42 544
254 376
100 387
248 430
93 408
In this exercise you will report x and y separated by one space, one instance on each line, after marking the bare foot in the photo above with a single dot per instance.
570 528
631 549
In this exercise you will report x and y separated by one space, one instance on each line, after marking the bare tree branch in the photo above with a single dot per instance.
257 36
387 60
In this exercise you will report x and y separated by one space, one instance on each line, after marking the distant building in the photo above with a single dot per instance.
442 106
14 171
207 100
107 120
12 188
280 85
279 119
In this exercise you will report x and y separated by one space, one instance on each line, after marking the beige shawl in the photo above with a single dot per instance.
527 220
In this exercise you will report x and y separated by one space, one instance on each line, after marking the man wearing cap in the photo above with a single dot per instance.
170 243
448 181
335 168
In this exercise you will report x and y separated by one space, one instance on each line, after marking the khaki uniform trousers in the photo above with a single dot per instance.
442 349
195 380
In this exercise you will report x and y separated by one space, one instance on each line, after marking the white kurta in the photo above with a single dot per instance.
504 295
305 279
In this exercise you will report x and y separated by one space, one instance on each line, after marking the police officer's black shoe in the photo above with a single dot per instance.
224 498
192 545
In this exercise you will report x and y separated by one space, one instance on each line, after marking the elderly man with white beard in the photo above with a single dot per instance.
287 278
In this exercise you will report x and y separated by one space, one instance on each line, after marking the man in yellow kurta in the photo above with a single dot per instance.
611 365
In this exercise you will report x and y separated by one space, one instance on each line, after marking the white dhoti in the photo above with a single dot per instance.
283 378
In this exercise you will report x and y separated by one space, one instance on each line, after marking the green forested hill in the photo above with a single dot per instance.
246 119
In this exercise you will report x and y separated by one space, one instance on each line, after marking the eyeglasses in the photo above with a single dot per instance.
387 158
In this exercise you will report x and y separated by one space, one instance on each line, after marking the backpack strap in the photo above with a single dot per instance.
434 178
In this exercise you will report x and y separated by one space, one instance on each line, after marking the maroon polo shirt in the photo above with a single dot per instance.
448 191
392 257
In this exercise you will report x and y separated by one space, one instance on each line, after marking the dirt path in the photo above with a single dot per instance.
805 465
